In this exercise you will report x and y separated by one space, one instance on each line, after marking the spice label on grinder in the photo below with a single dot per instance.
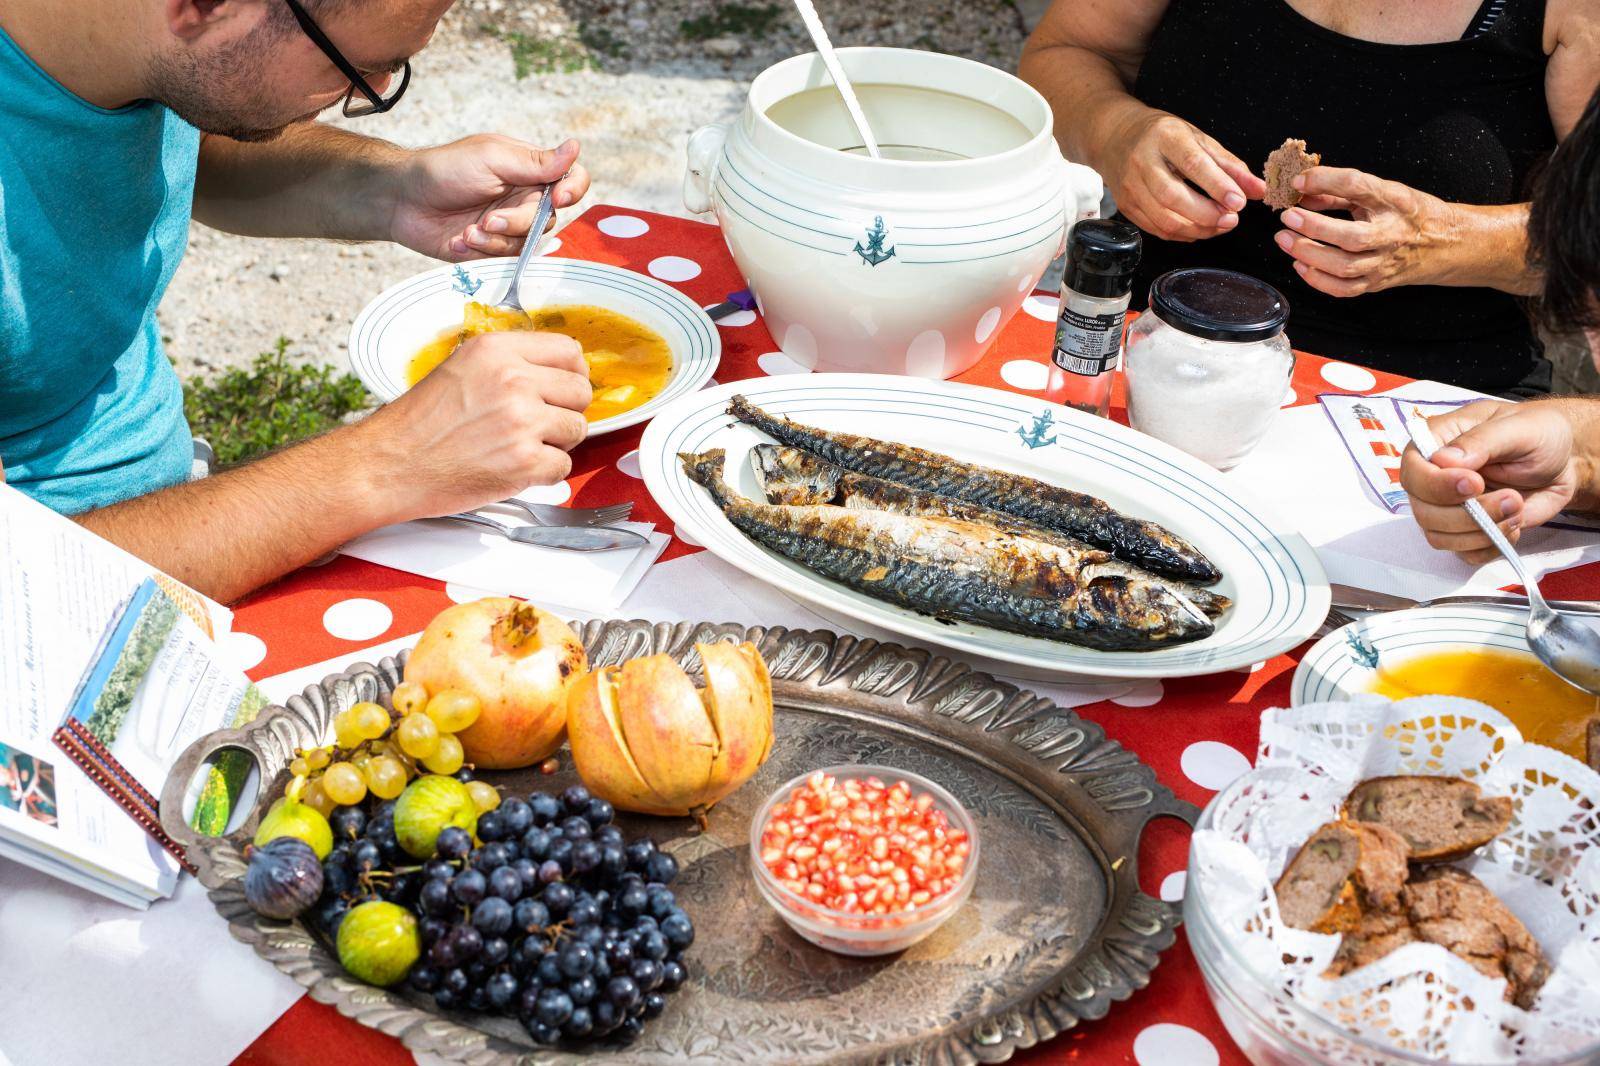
1088 344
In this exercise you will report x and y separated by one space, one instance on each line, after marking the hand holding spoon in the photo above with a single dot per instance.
512 300
1567 646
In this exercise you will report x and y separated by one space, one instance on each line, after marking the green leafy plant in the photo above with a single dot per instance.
558 55
731 20
246 413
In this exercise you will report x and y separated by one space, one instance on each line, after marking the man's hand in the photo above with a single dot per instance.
477 197
1397 235
1174 181
1524 462
497 416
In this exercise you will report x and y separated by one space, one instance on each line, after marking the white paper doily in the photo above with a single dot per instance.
1419 999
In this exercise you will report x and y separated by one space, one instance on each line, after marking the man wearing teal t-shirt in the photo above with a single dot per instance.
119 119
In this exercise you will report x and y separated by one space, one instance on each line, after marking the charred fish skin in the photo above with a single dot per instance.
795 476
959 572
1076 514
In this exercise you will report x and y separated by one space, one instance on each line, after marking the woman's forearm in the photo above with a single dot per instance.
1489 249
1086 91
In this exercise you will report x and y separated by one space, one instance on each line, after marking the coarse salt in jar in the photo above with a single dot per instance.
1207 365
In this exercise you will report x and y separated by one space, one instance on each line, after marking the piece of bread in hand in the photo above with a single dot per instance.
1286 161
1343 871
1441 818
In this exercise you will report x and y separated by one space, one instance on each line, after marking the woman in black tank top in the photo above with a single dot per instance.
1464 121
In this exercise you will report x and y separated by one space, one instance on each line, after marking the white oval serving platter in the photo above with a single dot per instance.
1278 586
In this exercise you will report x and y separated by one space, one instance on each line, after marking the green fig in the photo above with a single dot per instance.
428 804
378 942
290 818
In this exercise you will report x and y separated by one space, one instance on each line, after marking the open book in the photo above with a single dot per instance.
97 646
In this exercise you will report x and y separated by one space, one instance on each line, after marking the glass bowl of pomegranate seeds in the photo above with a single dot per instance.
863 860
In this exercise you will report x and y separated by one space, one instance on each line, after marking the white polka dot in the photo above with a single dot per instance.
1345 376
1025 374
246 650
735 320
1252 668
1026 282
925 355
778 363
1166 1044
1144 694
551 244
629 464
674 268
986 325
554 495
800 344
1289 399
1213 764
681 535
357 619
1044 308
1172 886
624 226
464 593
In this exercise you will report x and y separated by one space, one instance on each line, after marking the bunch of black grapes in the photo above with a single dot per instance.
555 919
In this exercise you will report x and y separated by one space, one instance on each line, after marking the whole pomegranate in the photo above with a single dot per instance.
646 740
518 660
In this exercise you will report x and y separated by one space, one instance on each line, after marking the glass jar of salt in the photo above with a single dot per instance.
1207 365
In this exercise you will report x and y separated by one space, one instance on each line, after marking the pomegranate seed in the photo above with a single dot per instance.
863 846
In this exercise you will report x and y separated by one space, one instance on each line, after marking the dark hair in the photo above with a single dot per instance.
1564 228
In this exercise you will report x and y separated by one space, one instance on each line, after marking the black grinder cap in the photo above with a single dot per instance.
1102 254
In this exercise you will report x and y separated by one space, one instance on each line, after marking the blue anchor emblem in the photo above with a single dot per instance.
874 252
465 283
1038 435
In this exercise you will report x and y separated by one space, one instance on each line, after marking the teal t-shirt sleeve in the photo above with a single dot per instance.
95 208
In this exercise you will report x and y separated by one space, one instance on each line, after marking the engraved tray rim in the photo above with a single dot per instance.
1102 791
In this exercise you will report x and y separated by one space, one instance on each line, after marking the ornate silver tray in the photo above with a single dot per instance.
1055 931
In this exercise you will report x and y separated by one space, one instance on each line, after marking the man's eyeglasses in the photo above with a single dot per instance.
362 99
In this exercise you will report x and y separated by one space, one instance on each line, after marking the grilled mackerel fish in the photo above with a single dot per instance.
794 476
1076 514
961 571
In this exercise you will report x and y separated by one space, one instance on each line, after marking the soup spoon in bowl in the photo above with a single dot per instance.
1567 646
512 300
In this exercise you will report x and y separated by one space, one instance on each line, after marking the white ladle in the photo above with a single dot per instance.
830 59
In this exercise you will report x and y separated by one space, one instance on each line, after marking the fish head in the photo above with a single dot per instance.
1152 608
794 477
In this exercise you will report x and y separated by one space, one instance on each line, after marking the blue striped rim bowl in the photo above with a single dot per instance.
1344 664
1279 590
395 325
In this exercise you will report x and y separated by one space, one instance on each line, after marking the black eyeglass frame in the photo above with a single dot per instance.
374 104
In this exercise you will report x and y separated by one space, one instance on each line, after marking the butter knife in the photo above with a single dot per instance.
565 538
1351 598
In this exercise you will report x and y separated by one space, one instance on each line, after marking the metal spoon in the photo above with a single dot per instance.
1566 646
512 300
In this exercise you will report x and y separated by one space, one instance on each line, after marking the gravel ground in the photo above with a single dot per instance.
630 80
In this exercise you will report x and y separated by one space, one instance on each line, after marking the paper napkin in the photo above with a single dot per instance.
460 554
1303 470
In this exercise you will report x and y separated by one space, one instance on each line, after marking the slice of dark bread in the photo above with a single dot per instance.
1343 871
1455 910
1283 165
1441 818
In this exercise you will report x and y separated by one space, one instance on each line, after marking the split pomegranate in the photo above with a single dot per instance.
862 846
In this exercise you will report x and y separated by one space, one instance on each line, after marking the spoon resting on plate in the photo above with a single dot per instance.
1567 646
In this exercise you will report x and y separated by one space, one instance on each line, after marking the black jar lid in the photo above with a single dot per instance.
1102 254
1220 305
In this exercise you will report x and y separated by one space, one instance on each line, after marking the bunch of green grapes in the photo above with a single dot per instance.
378 751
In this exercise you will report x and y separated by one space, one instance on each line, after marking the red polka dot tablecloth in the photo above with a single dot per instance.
1197 733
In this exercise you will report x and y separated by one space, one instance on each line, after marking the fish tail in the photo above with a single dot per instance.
706 470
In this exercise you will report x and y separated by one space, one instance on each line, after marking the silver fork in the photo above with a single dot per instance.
547 515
